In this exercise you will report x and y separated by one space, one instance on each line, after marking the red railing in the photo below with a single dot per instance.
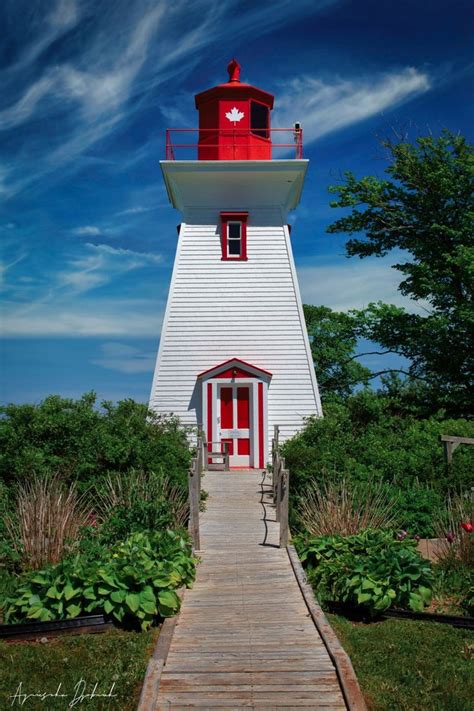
233 143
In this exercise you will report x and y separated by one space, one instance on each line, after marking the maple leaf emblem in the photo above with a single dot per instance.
235 115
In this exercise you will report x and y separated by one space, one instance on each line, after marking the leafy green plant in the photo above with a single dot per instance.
371 570
136 582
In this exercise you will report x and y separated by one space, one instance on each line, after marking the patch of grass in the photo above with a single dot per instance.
410 666
113 657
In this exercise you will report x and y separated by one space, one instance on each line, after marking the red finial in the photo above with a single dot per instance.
234 70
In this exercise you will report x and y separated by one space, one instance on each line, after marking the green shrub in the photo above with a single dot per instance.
371 570
84 442
365 439
134 582
139 501
9 556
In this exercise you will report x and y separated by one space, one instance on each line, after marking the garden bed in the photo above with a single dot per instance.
35 629
358 614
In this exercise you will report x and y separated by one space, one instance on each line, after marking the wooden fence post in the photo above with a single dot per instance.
284 493
281 467
275 458
199 458
194 501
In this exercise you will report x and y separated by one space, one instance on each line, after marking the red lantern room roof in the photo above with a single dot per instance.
235 124
234 89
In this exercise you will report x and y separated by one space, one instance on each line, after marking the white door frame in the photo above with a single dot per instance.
258 414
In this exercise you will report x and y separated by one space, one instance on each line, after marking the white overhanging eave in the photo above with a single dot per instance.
235 184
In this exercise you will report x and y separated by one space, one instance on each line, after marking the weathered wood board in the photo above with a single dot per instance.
244 637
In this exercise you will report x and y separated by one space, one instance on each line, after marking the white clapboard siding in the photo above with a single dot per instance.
218 310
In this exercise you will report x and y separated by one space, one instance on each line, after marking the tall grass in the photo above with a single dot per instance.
345 508
46 519
455 543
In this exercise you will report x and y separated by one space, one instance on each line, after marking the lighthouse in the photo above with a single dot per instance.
234 354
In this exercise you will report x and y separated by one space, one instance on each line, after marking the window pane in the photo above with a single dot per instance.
234 247
259 119
234 230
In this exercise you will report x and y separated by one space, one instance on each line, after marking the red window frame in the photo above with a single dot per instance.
227 217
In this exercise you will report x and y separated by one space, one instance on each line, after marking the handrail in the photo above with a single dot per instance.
210 454
280 486
194 486
235 136
451 443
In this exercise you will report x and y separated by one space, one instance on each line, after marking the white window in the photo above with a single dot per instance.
234 239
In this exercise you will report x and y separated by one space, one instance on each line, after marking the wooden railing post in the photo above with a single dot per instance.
275 460
281 467
283 507
194 501
226 456
199 459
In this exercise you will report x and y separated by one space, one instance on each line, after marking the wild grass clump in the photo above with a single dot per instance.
454 529
46 519
345 508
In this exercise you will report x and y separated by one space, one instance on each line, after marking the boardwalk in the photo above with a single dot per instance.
244 638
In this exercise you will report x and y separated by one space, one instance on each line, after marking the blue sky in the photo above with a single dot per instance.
88 89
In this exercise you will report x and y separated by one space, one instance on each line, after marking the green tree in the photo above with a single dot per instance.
333 339
424 212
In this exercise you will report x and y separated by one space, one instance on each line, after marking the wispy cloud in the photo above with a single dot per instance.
353 285
125 359
87 231
100 264
138 209
326 106
101 317
5 267
118 52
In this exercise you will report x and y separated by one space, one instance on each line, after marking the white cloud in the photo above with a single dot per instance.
5 267
136 258
45 29
100 264
326 106
87 230
128 50
64 15
101 317
353 285
125 359
138 209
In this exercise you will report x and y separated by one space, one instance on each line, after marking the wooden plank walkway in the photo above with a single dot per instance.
244 638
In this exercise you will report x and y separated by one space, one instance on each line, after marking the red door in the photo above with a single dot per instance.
235 422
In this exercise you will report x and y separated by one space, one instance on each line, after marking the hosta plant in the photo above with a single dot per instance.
371 570
136 582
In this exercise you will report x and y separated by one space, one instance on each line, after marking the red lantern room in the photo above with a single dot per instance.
234 120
